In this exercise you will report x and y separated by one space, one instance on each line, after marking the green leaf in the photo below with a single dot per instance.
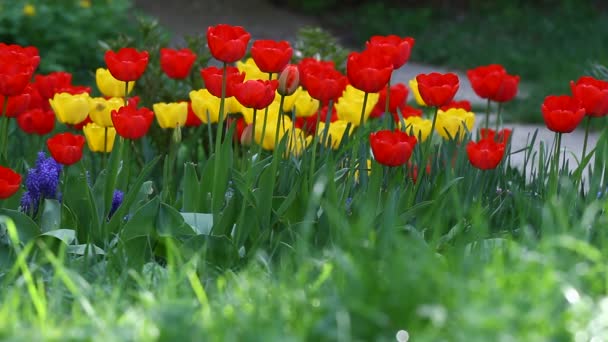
85 249
26 227
139 191
170 223
143 222
51 215
200 222
67 236
78 198
191 189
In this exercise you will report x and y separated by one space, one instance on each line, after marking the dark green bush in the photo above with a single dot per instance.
66 32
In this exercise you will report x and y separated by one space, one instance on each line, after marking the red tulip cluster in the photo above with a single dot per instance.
485 154
392 148
493 82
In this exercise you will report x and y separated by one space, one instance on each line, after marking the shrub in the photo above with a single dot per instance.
65 31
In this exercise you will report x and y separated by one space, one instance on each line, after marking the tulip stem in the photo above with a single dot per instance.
587 124
255 117
363 149
488 114
315 142
387 104
105 148
280 119
4 123
126 93
327 123
218 140
498 116
556 157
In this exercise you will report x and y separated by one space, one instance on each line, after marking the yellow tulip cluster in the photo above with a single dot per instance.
349 105
454 123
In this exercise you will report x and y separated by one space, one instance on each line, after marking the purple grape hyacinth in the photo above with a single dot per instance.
42 182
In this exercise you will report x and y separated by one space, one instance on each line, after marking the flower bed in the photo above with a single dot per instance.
297 167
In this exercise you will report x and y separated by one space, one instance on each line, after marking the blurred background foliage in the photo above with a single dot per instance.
66 32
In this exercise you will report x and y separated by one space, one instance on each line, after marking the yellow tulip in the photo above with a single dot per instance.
85 3
232 105
418 127
454 123
252 72
288 101
267 139
414 88
335 132
171 115
304 105
70 109
350 104
205 105
100 110
273 110
109 86
96 137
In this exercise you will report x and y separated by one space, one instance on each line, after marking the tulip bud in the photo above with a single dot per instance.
289 80
247 136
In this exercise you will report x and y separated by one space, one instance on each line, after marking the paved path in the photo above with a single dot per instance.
264 21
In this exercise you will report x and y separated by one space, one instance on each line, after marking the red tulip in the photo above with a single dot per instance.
324 83
562 113
227 43
213 80
47 85
508 89
309 65
501 136
392 148
369 70
16 104
127 64
192 120
132 123
37 121
464 104
437 89
398 97
177 63
256 94
485 154
66 148
17 65
9 182
397 48
492 82
593 95
271 56
289 80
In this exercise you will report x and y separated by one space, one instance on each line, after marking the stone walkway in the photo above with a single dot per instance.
265 21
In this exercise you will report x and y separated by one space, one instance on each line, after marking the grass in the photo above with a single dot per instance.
547 47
